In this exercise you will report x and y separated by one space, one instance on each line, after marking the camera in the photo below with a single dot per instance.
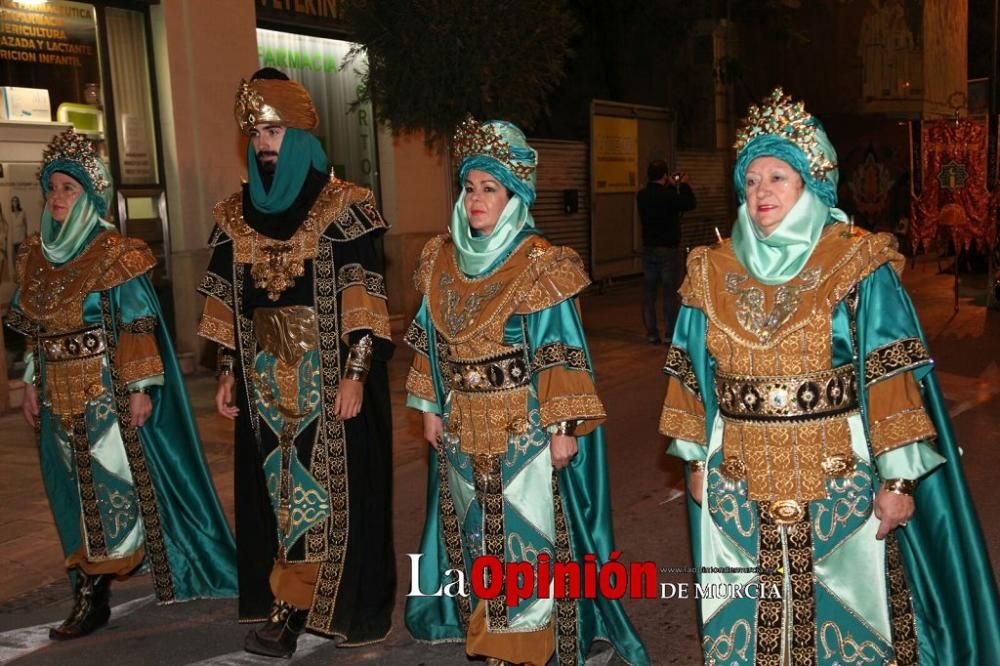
676 177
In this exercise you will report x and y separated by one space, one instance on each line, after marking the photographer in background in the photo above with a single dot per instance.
660 206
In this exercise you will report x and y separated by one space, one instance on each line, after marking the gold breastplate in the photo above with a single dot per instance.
784 406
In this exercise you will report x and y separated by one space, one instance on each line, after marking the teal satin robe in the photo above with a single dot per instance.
583 488
947 567
200 554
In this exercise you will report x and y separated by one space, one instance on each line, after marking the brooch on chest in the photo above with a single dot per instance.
750 302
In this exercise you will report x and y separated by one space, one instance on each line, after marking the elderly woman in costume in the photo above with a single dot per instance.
120 454
821 463
502 375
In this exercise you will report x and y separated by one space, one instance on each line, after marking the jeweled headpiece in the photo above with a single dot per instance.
500 148
475 138
279 101
779 116
77 148
74 154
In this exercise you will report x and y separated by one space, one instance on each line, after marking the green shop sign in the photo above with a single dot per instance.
279 57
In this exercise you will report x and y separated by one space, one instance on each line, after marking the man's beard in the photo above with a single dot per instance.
268 166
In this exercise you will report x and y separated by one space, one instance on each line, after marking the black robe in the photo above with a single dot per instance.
354 595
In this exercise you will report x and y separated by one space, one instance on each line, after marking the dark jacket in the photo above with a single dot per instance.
660 207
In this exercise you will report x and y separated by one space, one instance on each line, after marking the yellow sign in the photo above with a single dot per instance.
615 149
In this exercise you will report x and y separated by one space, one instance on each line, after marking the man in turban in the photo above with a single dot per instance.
296 302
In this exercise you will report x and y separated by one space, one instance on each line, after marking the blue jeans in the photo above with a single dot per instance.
661 266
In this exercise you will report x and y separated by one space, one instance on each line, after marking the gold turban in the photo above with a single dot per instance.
279 101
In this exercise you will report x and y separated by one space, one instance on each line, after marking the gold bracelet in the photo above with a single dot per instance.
567 428
224 362
696 466
359 359
900 486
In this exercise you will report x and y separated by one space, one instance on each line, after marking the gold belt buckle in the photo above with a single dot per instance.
786 511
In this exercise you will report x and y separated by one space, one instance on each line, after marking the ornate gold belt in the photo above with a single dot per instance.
804 397
73 370
499 373
287 333
76 345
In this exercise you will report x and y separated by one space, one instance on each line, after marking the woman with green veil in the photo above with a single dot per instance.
503 377
823 474
121 459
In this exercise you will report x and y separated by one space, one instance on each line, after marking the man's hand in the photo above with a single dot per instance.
29 405
433 429
347 403
892 510
562 448
140 406
224 397
695 482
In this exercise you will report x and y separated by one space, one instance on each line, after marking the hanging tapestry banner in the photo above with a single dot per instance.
950 193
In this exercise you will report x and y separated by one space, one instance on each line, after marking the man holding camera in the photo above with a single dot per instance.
660 206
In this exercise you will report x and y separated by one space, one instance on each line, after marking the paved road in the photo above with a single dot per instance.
650 519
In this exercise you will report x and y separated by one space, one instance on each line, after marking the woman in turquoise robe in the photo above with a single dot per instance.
823 472
121 459
502 374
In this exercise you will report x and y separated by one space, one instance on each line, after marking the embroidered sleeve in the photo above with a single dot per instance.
560 365
683 416
895 361
420 386
137 356
896 414
217 323
361 289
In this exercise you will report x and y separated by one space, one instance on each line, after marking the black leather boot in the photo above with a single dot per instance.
90 609
280 636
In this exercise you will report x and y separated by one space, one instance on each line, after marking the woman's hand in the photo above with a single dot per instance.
224 397
433 429
350 395
140 406
29 405
695 482
562 448
893 510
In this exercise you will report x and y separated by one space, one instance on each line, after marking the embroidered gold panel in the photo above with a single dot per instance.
52 296
73 371
758 315
483 422
491 383
783 461
275 264
536 275
759 332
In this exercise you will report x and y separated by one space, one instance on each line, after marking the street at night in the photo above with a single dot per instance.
650 518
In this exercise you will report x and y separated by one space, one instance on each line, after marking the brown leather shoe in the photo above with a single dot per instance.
90 608
280 636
